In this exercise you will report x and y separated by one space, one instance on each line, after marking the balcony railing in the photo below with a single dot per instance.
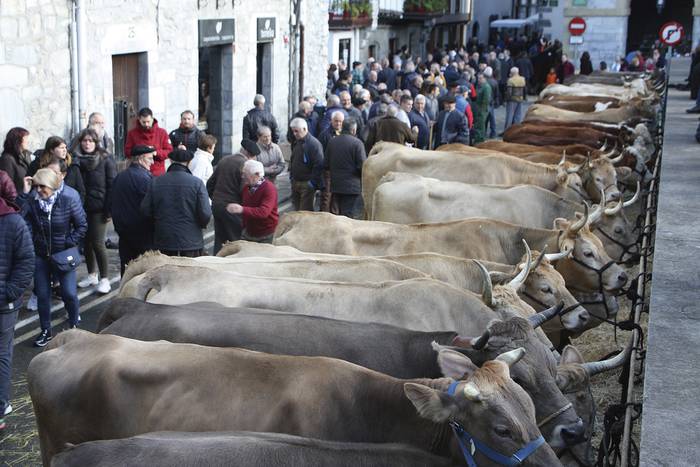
345 14
425 7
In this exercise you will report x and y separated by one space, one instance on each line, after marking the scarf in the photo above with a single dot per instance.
252 188
46 205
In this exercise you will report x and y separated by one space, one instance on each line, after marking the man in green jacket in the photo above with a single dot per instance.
481 114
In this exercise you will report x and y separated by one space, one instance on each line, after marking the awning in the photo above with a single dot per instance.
514 23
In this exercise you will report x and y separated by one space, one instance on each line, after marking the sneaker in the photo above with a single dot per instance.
43 338
103 286
33 303
8 410
89 281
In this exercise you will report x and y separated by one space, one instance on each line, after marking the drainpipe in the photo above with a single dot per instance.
75 115
82 61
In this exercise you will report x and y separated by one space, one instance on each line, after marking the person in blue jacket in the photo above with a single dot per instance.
16 271
56 218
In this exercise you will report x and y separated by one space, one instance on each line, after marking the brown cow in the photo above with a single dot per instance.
541 135
581 103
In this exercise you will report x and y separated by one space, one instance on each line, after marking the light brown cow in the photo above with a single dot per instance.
628 112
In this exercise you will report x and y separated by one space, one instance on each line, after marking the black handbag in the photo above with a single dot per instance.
66 260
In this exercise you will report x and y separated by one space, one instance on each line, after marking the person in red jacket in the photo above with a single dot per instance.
148 133
259 205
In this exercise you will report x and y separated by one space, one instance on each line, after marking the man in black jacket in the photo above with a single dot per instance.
224 187
131 185
258 116
345 155
451 125
179 206
187 135
305 167
16 272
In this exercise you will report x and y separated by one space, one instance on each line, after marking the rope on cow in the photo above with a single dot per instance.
610 450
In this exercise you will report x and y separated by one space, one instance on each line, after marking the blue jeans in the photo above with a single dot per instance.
7 335
42 288
491 122
513 113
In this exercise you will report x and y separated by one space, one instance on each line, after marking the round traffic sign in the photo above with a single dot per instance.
671 33
577 26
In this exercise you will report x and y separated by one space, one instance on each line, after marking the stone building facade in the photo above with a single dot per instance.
150 53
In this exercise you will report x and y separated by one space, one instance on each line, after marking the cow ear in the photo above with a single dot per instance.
455 365
562 177
431 404
570 354
623 173
561 224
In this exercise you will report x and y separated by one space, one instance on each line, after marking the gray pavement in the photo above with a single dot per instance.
670 428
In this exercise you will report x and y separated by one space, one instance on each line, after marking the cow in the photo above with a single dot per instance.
653 83
239 449
581 103
553 134
494 169
543 288
626 113
330 269
388 349
580 256
120 387
623 93
412 199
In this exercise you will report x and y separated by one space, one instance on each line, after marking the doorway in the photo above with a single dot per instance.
264 73
344 51
216 96
645 22
129 94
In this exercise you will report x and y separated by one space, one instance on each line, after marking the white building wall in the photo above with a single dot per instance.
482 11
314 17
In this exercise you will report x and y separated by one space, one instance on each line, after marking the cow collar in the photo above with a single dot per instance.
470 445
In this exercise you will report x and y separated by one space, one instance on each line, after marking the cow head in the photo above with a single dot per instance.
616 232
486 402
599 176
544 288
569 183
600 306
584 263
536 373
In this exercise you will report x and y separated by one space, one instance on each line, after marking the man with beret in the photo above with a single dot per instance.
130 186
451 125
179 206
224 188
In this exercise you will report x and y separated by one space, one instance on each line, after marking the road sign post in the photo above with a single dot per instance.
672 33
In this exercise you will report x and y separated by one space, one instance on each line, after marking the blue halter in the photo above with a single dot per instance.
465 440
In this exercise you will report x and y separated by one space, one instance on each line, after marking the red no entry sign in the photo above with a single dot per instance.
577 26
671 33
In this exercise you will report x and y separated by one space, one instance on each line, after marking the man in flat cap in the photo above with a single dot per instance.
179 206
130 186
224 188
451 125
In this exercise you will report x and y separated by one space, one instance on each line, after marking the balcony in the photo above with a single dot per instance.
348 14
425 9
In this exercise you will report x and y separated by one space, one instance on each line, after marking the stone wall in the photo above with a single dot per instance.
604 39
314 18
35 68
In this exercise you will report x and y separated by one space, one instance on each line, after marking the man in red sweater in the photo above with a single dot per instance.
148 133
259 205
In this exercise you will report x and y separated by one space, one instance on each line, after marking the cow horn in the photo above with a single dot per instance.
557 256
578 225
563 159
511 357
539 259
538 319
471 392
614 160
481 341
593 368
598 212
604 146
487 287
618 207
522 275
634 198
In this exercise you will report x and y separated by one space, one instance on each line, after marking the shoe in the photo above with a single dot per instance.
43 338
89 281
33 304
103 286
72 326
694 110
8 410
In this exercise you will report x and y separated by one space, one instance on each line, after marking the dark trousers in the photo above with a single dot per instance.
303 196
7 335
227 226
43 273
347 204
95 250
185 253
249 238
131 247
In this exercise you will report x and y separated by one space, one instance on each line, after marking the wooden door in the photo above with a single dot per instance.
125 84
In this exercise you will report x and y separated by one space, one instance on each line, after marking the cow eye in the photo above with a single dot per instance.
502 431
598 179
588 254
546 289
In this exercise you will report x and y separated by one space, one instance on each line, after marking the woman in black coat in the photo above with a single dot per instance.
56 147
586 64
98 170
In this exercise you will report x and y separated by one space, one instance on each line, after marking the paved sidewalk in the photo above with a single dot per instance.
670 428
